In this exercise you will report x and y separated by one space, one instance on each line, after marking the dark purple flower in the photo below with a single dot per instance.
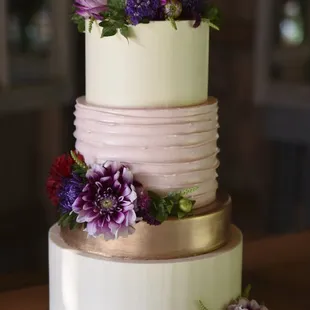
69 190
107 202
137 10
245 304
143 206
90 8
190 5
194 9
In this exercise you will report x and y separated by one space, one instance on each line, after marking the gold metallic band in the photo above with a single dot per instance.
207 230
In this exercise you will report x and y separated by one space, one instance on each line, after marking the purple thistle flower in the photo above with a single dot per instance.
245 304
140 9
143 206
107 202
90 8
70 189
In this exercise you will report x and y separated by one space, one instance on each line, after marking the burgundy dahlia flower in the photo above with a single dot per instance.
107 202
245 304
61 168
90 8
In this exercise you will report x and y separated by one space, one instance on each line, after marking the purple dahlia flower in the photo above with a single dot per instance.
245 304
107 202
70 189
139 9
144 204
90 8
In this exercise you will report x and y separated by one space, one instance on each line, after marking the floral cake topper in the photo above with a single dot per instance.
106 200
117 15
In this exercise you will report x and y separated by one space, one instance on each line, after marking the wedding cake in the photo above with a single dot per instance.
143 224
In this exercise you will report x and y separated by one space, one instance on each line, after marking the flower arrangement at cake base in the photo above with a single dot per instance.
241 303
106 200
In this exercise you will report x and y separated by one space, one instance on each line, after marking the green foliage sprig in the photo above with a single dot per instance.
78 20
201 305
91 23
79 167
174 204
69 220
114 19
211 15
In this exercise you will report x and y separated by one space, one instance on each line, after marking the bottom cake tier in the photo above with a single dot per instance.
81 281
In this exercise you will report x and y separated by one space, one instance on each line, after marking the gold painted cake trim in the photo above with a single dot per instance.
206 230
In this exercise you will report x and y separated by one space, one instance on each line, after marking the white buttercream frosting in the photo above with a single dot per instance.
167 149
157 67
80 281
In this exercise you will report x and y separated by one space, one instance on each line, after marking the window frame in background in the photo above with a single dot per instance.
266 90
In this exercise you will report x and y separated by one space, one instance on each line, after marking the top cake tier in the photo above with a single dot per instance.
157 67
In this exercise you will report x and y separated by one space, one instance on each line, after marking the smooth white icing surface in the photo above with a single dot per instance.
158 67
167 149
87 282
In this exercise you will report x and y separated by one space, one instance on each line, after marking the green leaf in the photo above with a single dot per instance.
154 197
173 23
79 171
81 26
79 21
125 31
159 209
106 23
108 31
181 214
247 291
74 225
169 207
90 25
79 162
174 195
213 13
69 220
161 217
213 25
66 221
201 305
63 219
188 191
117 4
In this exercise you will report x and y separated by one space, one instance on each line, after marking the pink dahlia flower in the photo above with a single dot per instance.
107 202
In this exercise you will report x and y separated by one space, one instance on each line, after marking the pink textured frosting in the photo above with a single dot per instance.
167 149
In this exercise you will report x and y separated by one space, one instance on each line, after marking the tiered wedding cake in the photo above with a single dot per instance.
143 174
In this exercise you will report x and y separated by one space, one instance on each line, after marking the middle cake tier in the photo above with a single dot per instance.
167 149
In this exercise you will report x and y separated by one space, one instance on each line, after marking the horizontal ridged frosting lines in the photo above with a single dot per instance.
167 149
